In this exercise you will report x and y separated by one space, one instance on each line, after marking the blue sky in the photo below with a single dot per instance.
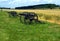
16 3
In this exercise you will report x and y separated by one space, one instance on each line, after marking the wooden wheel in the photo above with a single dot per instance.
22 19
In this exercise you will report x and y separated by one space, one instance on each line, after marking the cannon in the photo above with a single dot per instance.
12 13
28 17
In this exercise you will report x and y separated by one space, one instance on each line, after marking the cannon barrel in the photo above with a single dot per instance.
28 16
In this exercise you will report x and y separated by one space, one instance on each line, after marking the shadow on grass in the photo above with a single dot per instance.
35 23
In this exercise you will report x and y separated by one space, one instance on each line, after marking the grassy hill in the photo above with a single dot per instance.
40 6
11 29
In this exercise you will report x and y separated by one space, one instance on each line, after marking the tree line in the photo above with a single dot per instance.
40 6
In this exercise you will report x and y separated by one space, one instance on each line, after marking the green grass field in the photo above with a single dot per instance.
11 29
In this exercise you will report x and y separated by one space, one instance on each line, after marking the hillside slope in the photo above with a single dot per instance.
11 29
40 6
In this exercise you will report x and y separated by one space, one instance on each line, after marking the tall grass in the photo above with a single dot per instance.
48 14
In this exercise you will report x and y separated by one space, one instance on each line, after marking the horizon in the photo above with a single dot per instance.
20 3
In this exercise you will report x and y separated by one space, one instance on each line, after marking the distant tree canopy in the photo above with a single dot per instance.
4 8
41 6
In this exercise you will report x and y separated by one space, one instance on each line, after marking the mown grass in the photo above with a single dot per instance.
11 29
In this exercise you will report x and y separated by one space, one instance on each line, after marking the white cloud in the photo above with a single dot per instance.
26 2
48 1
17 1
14 3
23 1
3 0
35 0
